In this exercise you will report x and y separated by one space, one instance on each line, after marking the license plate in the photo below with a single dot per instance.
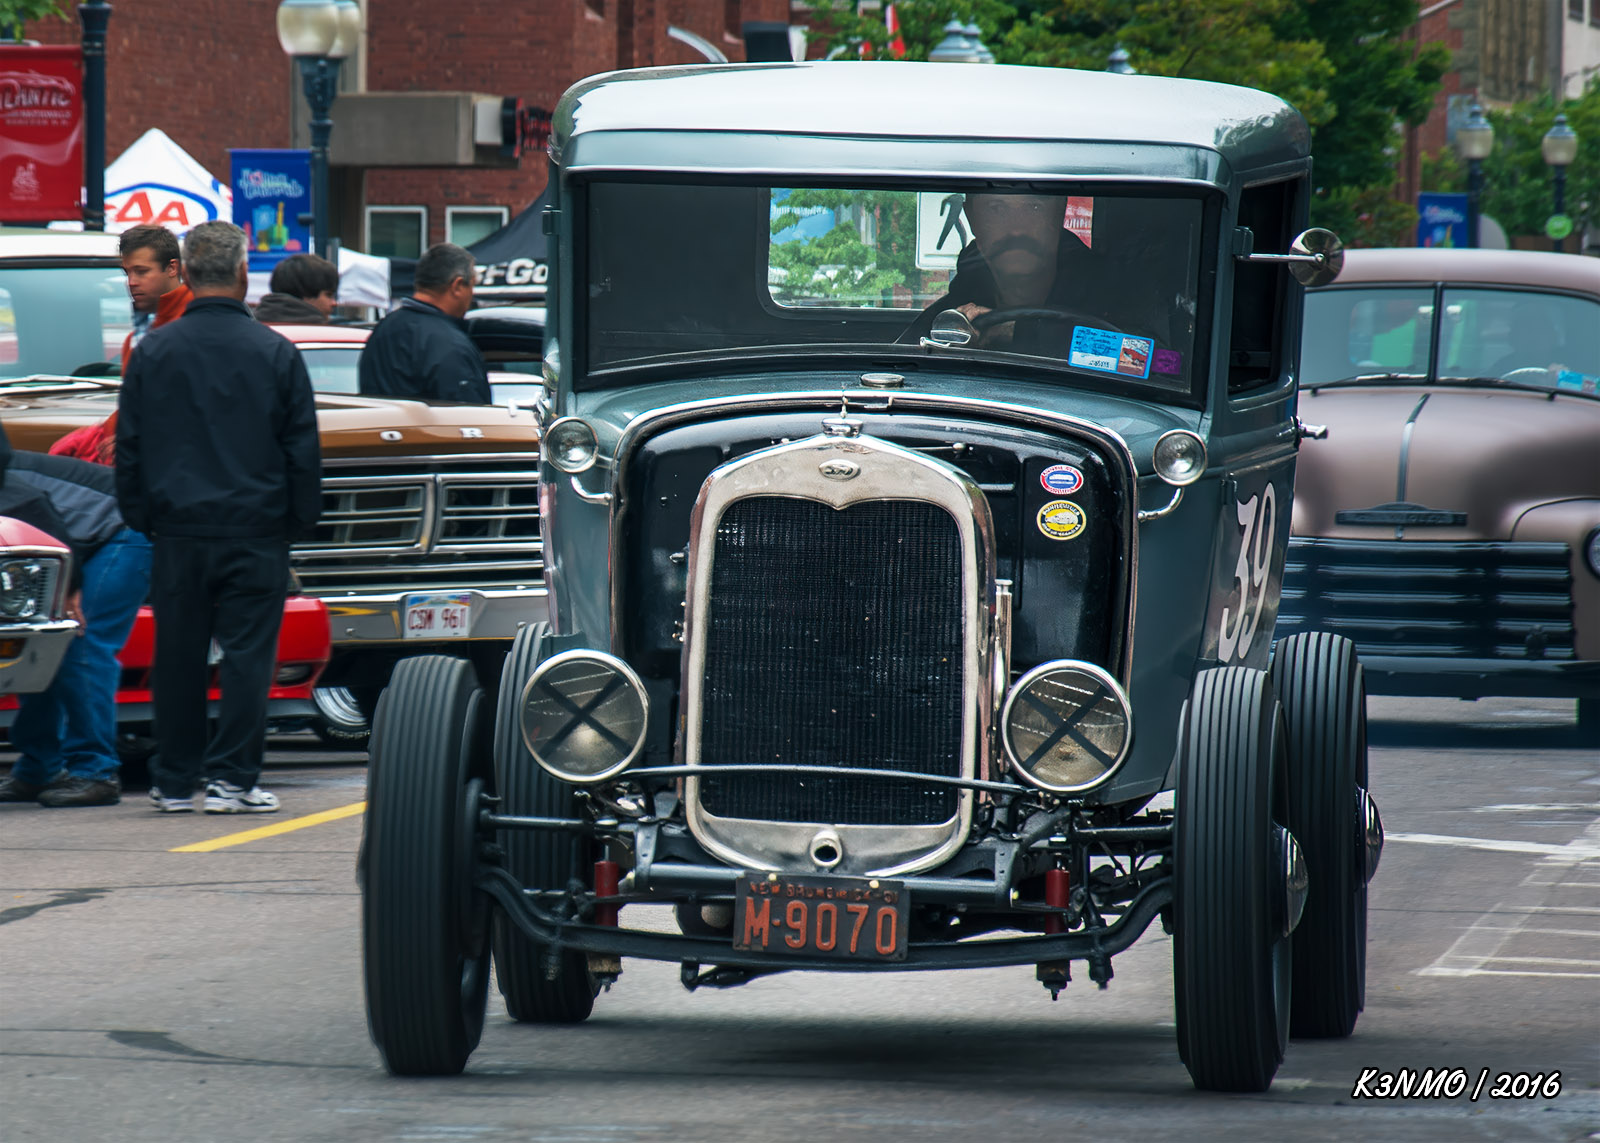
437 616
848 917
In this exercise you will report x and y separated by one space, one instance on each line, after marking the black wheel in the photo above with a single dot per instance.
339 721
1318 680
1231 952
538 987
424 929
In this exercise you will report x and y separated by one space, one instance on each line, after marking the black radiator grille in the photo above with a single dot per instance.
834 638
1467 599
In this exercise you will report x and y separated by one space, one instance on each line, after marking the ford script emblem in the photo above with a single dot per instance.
840 469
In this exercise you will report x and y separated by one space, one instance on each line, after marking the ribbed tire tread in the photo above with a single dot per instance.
426 995
1231 1032
1319 682
540 859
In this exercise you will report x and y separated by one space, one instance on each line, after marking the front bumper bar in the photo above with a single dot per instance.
44 645
370 619
921 956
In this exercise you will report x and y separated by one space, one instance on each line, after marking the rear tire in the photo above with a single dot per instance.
1230 955
424 928
340 723
1319 682
537 988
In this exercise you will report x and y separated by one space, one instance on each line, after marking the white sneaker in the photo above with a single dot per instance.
171 805
226 798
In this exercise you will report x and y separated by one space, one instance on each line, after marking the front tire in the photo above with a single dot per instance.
424 928
539 986
1319 682
1231 956
340 723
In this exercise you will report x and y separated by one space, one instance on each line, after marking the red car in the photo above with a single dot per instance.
303 648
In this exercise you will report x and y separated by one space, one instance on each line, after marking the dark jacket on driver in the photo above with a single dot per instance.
423 353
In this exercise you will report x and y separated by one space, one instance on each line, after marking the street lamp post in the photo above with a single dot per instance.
319 34
1474 142
1559 147
962 43
1118 62
94 15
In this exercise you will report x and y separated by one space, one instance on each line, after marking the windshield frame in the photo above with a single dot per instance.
903 357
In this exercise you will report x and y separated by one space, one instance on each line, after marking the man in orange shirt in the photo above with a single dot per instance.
155 284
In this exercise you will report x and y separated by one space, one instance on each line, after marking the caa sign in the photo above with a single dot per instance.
159 205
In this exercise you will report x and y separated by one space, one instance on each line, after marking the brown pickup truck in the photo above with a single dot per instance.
429 540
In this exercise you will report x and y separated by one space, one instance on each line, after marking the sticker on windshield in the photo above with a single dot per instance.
1061 520
1062 479
1108 352
1569 379
1169 361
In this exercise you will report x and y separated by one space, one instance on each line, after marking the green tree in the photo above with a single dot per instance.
15 13
840 264
1518 188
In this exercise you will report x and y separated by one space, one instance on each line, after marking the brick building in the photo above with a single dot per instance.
212 75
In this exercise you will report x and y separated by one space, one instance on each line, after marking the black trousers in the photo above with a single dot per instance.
231 591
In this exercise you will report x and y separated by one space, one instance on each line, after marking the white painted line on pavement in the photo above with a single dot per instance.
1581 850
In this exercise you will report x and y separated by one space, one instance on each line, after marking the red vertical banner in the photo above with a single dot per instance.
41 133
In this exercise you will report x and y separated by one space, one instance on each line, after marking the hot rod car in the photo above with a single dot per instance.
917 463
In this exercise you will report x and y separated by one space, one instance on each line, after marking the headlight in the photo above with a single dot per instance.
1180 457
571 445
584 715
1066 726
24 588
1591 551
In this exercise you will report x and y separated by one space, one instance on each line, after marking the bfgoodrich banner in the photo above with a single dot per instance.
271 190
41 133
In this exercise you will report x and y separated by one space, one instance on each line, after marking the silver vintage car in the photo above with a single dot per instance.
918 455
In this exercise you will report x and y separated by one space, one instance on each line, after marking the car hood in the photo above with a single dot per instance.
1490 455
351 427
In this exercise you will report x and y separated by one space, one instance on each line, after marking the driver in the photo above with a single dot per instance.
1022 256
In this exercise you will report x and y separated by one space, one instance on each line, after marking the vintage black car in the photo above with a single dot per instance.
919 447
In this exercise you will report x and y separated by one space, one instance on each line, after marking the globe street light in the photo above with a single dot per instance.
961 44
1117 62
1474 142
1560 147
319 34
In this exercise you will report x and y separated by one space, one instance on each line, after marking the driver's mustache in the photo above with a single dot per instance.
1014 242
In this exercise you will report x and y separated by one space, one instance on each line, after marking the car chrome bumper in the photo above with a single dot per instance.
364 619
44 644
1481 678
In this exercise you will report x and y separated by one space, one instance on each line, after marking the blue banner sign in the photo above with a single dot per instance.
271 190
1441 219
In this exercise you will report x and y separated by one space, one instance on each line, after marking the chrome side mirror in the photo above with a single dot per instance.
1315 257
951 329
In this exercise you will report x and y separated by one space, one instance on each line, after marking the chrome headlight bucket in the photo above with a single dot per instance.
25 588
1067 726
584 715
1179 457
571 445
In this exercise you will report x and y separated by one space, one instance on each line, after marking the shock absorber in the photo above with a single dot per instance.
1054 975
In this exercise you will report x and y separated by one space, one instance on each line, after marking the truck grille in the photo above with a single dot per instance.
834 638
1478 599
387 531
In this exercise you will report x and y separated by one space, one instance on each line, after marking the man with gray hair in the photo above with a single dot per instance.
421 350
218 462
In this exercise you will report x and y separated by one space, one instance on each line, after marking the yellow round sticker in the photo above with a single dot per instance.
1061 520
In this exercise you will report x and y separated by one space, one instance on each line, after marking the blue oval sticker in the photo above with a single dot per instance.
1062 479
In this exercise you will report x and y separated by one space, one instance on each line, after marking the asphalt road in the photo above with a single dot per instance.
153 994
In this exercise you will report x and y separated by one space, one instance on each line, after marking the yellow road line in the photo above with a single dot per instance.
272 830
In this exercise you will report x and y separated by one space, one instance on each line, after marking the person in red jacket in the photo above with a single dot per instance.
151 263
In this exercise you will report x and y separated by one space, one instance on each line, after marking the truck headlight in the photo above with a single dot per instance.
1180 457
584 715
1066 726
22 588
1591 551
571 445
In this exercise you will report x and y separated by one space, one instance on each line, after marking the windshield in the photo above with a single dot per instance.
1378 334
1102 286
62 319
334 369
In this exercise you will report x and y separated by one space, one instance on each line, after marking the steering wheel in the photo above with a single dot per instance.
1528 375
1003 314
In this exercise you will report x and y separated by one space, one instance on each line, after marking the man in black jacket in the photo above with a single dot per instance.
66 735
421 350
218 462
